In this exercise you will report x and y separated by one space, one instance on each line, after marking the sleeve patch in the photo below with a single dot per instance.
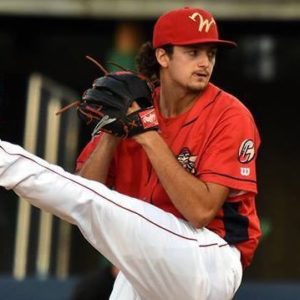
246 151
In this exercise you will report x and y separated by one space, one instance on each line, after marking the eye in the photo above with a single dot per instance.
212 53
193 52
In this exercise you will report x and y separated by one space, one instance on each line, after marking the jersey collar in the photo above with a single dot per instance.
210 95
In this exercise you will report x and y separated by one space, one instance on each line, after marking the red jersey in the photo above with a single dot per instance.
216 141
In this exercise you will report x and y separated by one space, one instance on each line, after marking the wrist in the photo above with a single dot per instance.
109 140
147 137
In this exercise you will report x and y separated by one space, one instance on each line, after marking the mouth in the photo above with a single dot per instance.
201 74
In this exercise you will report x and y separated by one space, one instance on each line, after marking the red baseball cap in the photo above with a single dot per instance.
187 26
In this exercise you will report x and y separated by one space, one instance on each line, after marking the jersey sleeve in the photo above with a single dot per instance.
230 155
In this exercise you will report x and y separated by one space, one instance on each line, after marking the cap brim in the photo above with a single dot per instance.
219 43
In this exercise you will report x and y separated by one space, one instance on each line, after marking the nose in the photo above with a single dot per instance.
203 59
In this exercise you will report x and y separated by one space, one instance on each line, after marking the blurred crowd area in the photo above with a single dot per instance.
262 72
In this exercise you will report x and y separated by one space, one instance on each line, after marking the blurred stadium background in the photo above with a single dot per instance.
43 44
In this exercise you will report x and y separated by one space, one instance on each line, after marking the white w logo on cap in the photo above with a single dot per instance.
202 22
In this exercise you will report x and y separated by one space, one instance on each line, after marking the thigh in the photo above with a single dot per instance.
222 264
161 256
206 270
123 289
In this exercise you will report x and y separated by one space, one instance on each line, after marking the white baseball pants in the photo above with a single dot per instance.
160 256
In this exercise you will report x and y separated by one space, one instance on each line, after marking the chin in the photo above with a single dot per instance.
198 87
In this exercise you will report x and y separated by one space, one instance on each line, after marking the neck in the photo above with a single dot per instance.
175 101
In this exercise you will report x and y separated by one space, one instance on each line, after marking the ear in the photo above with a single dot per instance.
162 57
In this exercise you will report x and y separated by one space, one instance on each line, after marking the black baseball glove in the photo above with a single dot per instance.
105 105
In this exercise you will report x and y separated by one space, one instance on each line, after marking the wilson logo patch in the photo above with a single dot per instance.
245 171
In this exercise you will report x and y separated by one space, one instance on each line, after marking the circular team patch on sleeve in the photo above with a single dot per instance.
246 151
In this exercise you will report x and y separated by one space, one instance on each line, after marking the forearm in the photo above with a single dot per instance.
193 198
97 165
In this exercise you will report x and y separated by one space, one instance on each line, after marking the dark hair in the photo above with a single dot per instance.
147 63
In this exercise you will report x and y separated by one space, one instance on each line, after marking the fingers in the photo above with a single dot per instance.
134 107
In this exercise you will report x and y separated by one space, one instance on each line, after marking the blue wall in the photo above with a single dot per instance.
51 289
269 291
33 289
